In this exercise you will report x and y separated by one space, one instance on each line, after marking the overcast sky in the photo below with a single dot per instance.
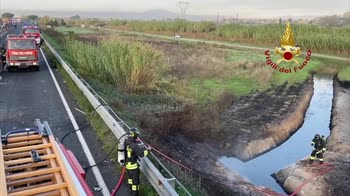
245 8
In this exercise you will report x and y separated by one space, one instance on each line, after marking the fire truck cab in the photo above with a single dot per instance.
32 31
21 52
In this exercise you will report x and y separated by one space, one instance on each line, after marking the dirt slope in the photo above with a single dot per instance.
257 124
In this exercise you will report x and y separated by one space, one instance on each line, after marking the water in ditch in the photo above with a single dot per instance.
317 120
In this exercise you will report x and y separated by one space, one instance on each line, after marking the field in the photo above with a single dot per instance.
171 88
319 39
77 30
165 76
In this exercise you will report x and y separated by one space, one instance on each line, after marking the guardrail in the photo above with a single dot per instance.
162 185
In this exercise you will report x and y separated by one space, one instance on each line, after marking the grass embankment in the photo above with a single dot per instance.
177 82
344 75
193 71
319 39
110 93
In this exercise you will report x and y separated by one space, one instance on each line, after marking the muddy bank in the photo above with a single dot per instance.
257 124
336 180
215 177
286 108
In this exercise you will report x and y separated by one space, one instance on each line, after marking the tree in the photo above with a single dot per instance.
75 17
55 22
44 20
7 15
62 23
33 17
52 22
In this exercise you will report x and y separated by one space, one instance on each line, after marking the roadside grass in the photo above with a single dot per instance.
116 99
103 132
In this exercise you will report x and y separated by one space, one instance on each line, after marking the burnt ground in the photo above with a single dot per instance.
255 124
250 118
262 119
250 126
335 181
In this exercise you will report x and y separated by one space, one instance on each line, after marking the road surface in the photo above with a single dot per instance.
29 95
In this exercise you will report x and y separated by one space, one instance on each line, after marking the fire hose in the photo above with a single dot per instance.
119 182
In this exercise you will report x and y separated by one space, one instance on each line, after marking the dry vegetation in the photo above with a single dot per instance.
190 61
318 38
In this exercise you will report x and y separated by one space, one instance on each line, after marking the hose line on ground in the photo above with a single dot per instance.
110 152
82 127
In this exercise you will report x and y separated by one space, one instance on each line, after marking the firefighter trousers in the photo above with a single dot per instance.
316 154
134 181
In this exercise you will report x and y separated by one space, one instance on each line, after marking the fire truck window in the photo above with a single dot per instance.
13 45
32 31
22 44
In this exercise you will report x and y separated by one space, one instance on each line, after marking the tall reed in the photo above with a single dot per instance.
129 66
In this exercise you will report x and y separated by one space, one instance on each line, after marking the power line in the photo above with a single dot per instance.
183 5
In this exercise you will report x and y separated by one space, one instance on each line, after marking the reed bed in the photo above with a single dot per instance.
309 36
129 66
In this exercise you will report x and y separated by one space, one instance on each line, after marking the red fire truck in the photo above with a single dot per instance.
32 31
21 52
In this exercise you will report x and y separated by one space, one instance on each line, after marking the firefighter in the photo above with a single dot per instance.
133 152
319 144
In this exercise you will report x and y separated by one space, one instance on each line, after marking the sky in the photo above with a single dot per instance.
244 8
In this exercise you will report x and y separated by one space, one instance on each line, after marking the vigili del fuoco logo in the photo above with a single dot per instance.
288 51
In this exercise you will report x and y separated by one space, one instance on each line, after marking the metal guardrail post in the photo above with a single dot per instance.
158 181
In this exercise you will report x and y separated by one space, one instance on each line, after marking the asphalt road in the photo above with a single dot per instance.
29 95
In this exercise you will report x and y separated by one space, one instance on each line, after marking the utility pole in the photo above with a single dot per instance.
183 5
237 17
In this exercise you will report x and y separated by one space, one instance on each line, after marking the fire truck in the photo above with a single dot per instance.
32 31
33 162
21 52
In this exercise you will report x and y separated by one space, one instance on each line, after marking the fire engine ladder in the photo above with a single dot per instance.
32 163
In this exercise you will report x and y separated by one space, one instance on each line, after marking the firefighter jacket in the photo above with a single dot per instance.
319 144
133 152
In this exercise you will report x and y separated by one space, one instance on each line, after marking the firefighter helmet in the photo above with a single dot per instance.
134 132
317 136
